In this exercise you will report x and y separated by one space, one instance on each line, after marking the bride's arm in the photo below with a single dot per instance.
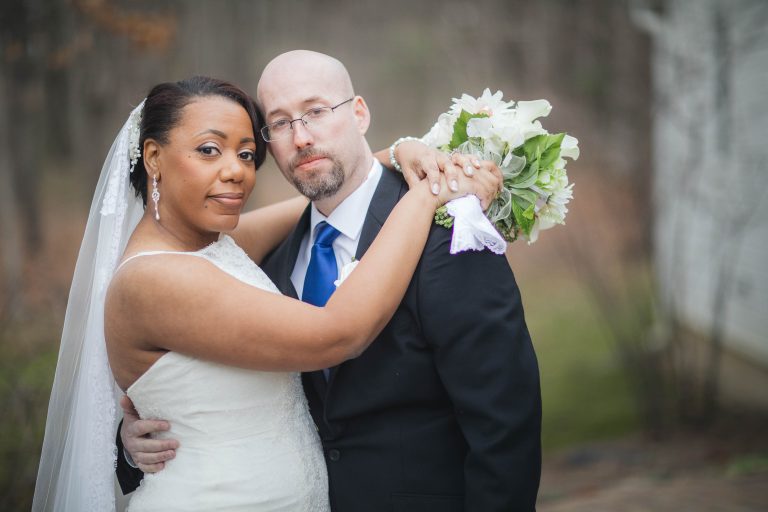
190 306
417 161
261 230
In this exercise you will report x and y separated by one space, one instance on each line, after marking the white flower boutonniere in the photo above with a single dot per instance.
345 271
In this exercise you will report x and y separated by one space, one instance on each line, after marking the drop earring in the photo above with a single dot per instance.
155 196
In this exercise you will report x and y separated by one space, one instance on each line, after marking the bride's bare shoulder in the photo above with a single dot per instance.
148 283
153 271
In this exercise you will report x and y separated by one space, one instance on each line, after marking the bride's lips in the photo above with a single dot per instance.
231 199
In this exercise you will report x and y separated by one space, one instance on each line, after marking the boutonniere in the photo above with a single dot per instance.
345 271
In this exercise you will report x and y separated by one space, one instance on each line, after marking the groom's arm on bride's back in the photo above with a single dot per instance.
134 440
471 312
129 477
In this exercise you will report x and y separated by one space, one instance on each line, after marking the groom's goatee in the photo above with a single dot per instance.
318 184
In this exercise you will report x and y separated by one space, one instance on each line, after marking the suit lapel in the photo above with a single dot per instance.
288 259
388 193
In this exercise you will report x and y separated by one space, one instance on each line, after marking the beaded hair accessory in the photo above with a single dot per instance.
122 158
134 135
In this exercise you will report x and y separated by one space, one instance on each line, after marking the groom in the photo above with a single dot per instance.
443 411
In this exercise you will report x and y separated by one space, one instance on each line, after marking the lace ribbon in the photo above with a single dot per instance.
471 228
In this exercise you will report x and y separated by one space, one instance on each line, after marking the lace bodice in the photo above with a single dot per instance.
229 257
247 441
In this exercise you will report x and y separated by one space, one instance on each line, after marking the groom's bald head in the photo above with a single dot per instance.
298 68
325 156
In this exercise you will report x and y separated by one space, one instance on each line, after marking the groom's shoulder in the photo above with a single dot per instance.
393 187
392 184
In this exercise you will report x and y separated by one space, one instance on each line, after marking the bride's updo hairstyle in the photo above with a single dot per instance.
162 112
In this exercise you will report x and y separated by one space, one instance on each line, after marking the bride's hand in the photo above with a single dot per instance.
148 454
418 161
445 172
487 178
484 184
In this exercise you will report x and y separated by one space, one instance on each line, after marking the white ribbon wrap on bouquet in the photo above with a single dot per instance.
471 228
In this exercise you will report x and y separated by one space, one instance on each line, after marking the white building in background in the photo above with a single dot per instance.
710 72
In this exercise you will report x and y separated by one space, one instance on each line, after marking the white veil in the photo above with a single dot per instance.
78 459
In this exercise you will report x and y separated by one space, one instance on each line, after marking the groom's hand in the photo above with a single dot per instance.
148 454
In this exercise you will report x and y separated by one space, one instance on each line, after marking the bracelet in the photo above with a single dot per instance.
392 148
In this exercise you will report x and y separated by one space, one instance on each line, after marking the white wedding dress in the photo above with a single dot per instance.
247 440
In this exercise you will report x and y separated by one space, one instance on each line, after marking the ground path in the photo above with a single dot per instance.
720 469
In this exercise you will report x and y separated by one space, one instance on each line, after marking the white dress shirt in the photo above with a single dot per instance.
348 218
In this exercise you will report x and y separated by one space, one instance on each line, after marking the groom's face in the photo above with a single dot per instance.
319 157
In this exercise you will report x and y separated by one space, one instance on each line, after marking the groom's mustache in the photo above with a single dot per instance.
307 154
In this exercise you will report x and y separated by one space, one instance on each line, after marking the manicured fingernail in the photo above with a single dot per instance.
469 171
476 162
435 188
454 185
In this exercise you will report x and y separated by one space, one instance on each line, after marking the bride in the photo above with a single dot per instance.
195 332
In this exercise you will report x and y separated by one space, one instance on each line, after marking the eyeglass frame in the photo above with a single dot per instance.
291 121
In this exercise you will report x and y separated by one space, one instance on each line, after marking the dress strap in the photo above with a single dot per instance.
153 253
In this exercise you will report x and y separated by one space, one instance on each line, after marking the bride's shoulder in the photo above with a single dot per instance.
147 276
149 273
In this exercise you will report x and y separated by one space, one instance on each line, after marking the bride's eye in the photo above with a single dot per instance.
208 150
248 156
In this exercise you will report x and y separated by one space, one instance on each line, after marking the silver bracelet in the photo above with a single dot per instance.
392 148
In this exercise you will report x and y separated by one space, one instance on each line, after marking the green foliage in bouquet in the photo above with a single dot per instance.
530 172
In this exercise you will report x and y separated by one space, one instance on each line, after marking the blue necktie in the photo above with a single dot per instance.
322 270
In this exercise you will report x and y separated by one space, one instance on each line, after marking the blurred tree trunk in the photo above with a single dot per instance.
24 60
63 46
10 255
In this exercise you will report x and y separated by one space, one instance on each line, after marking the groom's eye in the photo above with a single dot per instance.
316 113
280 125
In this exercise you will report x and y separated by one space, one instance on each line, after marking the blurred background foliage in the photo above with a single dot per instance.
71 70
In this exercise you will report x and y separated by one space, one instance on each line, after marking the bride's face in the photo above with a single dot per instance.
206 171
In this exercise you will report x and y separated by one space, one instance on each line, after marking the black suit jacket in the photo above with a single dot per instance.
443 411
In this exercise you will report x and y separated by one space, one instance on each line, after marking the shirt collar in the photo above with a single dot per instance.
348 216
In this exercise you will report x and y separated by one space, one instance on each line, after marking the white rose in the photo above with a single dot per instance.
441 133
528 111
480 127
569 148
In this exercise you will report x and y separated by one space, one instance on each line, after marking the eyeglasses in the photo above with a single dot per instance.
315 116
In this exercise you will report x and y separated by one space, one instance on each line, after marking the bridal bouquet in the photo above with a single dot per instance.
536 189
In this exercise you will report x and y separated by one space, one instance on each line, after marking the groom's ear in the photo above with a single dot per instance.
151 156
362 114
